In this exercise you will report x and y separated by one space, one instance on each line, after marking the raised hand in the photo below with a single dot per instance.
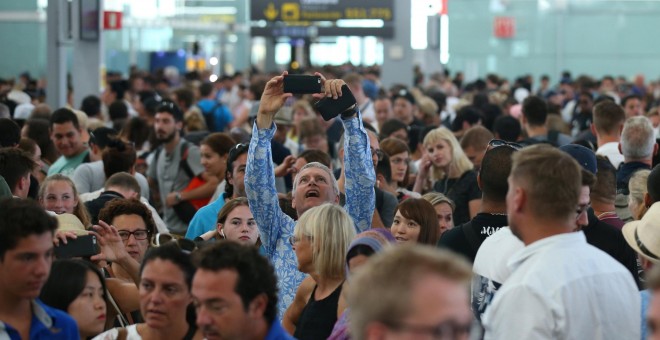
272 100
332 87
111 244
61 236
286 167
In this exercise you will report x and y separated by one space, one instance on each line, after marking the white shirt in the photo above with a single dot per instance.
490 268
90 177
112 334
563 288
611 151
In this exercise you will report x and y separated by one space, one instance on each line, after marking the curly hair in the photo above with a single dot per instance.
120 206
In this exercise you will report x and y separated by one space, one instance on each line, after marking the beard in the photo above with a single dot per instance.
166 139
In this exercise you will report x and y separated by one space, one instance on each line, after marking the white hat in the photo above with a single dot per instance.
23 111
70 222
644 235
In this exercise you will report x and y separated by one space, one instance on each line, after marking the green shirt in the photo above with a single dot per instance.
4 188
66 166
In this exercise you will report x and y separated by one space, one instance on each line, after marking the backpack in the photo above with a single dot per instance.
210 115
185 210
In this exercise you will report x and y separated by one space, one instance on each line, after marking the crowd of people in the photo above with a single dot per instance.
232 209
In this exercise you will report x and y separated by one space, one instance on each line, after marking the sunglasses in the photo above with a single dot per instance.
186 245
494 143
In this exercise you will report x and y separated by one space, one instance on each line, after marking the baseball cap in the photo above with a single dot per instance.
405 94
585 157
284 116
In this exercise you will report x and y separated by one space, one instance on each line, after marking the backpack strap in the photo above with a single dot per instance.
470 235
183 164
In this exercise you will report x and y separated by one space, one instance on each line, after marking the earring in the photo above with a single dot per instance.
222 234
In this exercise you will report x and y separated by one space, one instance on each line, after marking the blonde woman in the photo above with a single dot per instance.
637 187
302 110
451 172
321 239
444 209
58 194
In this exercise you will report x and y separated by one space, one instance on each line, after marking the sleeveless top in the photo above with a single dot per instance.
318 317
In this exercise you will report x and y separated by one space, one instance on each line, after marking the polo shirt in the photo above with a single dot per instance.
66 166
47 323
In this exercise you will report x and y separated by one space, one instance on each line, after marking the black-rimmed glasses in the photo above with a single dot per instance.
494 143
184 244
445 330
140 235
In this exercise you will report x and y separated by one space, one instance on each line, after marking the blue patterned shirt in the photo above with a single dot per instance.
275 227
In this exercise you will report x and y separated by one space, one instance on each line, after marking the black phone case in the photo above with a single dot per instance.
83 246
302 84
330 108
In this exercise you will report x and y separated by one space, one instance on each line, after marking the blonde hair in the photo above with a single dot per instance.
331 231
436 198
79 210
637 187
459 164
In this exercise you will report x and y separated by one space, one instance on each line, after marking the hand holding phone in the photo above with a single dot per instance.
82 246
331 108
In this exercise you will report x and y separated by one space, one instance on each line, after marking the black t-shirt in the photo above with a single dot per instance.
482 226
461 190
610 240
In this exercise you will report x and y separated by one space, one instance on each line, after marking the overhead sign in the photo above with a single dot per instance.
320 10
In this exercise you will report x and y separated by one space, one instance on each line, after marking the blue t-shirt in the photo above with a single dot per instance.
221 115
205 218
47 323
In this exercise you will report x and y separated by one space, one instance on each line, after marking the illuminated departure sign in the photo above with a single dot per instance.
321 10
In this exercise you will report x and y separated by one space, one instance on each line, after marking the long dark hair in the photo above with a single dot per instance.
66 281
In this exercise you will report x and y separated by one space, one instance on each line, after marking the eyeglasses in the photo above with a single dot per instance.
186 245
494 143
582 209
446 330
138 234
378 153
294 239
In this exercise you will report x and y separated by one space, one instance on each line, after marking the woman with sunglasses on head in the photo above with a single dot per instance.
321 239
164 298
78 288
451 172
236 223
444 209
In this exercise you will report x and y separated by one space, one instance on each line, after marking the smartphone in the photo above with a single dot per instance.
330 108
302 84
83 246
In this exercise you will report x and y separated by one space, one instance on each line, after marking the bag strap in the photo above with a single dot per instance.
122 334
183 164
471 235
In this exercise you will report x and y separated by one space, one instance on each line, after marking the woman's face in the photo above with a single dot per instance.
240 226
304 253
440 153
399 164
136 243
443 210
59 198
212 162
164 294
89 308
299 114
405 230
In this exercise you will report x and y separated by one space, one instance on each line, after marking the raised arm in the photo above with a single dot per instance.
259 173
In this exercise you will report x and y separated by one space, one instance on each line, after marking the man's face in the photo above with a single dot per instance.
316 142
166 127
238 176
383 110
475 156
582 217
633 107
220 310
403 110
374 145
435 301
24 269
586 103
314 187
67 139
653 317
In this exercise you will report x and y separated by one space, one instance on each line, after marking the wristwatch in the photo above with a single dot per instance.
350 112
177 196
